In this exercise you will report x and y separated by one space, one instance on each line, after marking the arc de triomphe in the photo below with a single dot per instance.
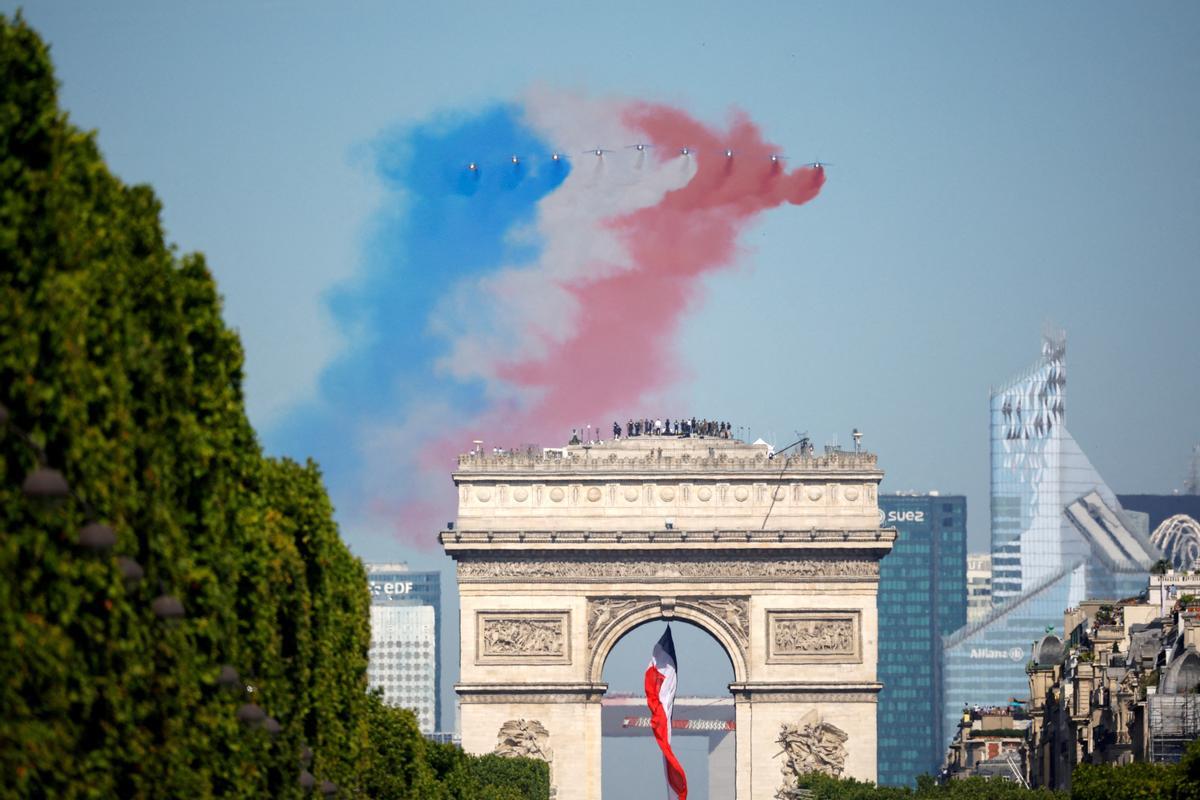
561 553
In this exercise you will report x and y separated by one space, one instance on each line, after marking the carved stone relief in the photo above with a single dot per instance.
733 611
522 637
813 637
603 612
576 567
524 738
812 745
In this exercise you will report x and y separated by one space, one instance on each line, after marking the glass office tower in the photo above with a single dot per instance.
1027 416
405 633
922 597
1059 536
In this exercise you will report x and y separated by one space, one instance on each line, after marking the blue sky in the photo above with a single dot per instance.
995 166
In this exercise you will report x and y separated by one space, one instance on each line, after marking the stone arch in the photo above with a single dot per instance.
1183 674
1049 651
1179 539
610 619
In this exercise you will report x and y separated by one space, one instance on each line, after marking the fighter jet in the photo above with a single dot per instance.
641 147
686 151
598 152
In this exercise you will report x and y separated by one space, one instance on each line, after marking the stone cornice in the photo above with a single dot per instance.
506 466
540 692
670 477
625 541
850 692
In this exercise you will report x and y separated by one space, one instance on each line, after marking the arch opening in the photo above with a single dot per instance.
632 764
640 612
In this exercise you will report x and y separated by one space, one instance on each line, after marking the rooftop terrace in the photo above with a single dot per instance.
662 453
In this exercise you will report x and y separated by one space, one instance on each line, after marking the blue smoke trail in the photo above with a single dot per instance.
441 223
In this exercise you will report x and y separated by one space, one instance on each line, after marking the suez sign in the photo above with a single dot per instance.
900 516
391 588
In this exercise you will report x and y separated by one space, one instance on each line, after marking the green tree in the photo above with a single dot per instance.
398 764
115 361
117 369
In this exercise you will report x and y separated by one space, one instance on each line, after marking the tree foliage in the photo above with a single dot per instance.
116 362
117 370
403 765
1140 781
826 788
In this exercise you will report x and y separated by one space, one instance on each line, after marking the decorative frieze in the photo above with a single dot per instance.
499 566
522 637
681 496
813 637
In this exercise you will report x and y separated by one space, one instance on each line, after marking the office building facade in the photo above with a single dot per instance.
405 632
1059 536
922 597
979 586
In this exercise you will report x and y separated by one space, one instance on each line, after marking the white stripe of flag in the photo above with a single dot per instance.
661 681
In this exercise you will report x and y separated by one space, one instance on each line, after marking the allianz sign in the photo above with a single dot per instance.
1012 654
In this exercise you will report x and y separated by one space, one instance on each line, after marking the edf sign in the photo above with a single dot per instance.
390 588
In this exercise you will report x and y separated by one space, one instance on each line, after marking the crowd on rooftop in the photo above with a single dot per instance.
666 427
677 427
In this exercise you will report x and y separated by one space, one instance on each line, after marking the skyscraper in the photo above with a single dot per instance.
922 597
979 586
1059 535
405 632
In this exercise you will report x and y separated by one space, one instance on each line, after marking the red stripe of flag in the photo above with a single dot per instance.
660 714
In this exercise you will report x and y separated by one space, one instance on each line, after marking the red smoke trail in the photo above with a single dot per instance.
620 349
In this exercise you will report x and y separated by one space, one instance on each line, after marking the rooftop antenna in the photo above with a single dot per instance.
857 434
804 444
801 440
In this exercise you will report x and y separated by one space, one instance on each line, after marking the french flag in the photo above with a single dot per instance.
661 680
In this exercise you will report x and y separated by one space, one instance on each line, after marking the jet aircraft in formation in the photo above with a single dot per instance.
642 147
